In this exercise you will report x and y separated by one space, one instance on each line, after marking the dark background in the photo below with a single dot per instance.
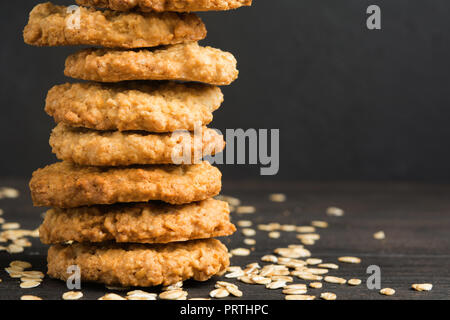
351 104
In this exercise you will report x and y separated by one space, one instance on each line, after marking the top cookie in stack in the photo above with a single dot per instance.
119 193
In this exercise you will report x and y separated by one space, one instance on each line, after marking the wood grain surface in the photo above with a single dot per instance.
415 218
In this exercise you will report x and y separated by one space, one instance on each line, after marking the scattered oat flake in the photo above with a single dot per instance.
337 280
299 297
173 295
244 223
308 242
329 266
245 210
305 229
174 286
22 242
316 270
254 265
10 226
249 242
276 285
293 252
141 295
9 192
306 276
219 293
30 297
387 291
234 268
72 295
316 285
334 211
29 284
33 274
14 248
422 286
235 274
246 279
328 296
234 291
274 226
20 264
349 259
23 279
296 286
16 274
379 235
248 232
240 252
225 284
269 258
288 227
111 296
313 261
319 224
296 291
277 197
274 234
308 236
261 280
282 278
354 282
264 227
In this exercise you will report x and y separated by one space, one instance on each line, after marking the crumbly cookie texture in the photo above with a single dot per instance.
52 25
140 265
67 185
187 62
114 148
164 106
167 5
152 222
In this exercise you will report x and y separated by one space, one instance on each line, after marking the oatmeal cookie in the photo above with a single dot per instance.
167 5
139 264
67 185
114 148
152 222
187 62
156 106
52 25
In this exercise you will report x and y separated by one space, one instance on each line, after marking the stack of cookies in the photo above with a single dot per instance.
125 209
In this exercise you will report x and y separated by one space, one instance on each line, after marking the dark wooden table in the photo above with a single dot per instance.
415 218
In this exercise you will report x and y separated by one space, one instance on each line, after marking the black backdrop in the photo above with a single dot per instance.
350 103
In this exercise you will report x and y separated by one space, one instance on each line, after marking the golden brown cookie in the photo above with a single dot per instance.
139 264
51 25
149 106
167 5
114 148
152 222
187 62
67 185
